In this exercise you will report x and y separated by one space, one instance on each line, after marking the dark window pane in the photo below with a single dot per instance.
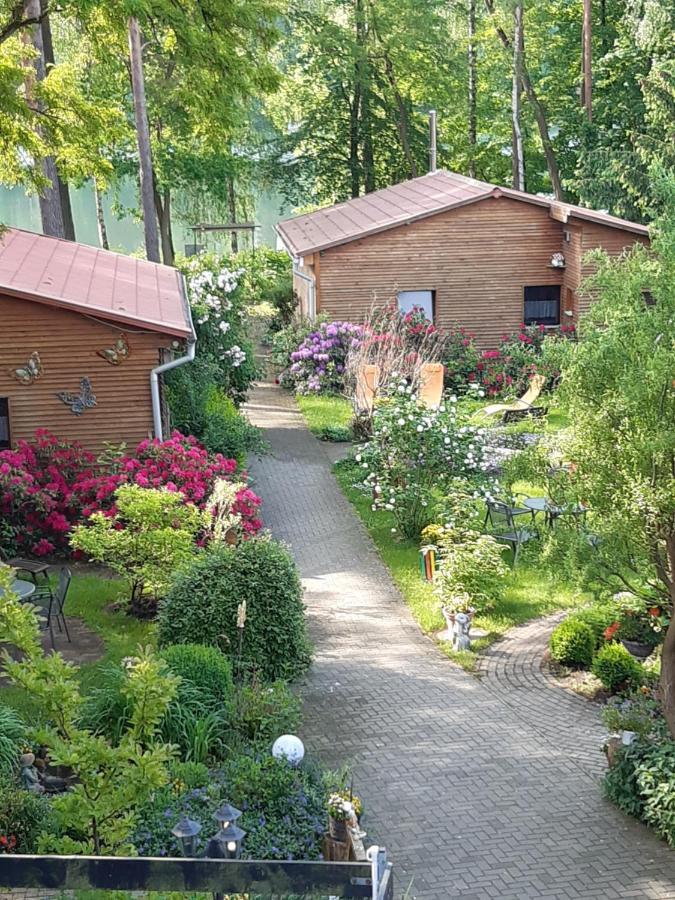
542 305
4 423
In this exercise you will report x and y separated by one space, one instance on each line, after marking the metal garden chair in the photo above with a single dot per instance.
32 566
52 603
504 527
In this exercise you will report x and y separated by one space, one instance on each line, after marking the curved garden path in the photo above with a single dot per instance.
479 788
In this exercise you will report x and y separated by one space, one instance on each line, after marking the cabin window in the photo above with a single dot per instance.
423 299
4 424
542 305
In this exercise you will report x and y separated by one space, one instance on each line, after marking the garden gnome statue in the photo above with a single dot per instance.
367 380
460 631
29 774
431 385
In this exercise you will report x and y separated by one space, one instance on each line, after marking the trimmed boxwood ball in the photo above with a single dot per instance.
201 607
616 668
206 667
572 643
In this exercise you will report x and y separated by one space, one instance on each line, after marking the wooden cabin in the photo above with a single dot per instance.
82 331
470 253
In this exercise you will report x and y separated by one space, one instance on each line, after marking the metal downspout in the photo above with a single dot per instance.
308 279
172 364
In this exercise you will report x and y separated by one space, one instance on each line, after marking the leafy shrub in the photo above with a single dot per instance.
318 363
287 341
264 711
415 454
460 358
190 774
641 783
12 738
638 712
207 668
471 570
24 816
187 391
228 431
572 643
598 616
616 668
202 606
151 534
334 433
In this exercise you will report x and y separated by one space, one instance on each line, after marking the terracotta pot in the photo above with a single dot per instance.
337 830
637 648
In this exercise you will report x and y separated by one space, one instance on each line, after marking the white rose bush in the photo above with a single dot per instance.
417 455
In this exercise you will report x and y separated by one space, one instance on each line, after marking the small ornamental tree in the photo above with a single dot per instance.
151 534
416 455
619 383
98 813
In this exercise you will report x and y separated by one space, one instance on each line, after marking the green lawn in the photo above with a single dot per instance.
91 597
325 412
531 592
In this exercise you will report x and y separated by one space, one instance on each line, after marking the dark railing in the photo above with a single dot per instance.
263 877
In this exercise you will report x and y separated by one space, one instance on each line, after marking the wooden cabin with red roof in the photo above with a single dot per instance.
470 253
85 337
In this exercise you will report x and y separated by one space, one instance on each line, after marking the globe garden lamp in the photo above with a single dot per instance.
290 748
187 832
226 843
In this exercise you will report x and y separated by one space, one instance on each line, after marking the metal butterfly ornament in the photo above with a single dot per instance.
86 399
116 354
31 371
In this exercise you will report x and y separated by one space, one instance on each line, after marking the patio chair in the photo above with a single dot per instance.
524 406
515 511
32 567
52 603
503 527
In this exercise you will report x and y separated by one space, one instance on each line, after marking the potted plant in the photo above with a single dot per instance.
340 813
639 628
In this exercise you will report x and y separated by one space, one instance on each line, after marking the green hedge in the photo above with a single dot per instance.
202 605
616 668
572 643
207 668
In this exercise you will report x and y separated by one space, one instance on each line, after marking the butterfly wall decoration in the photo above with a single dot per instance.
116 354
31 371
86 399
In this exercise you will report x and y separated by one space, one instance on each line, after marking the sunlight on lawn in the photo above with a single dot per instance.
325 411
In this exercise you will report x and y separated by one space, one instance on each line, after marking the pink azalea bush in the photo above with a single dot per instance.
48 485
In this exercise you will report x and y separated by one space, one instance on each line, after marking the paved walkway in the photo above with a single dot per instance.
472 796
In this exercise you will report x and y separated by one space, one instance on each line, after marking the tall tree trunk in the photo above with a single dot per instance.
232 208
473 116
163 208
363 78
537 108
100 218
49 198
143 139
586 68
517 153
355 139
64 194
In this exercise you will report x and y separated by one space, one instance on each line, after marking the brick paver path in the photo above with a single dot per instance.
472 796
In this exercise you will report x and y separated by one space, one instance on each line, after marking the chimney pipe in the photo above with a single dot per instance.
432 140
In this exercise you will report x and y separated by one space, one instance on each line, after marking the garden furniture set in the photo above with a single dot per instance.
505 519
51 602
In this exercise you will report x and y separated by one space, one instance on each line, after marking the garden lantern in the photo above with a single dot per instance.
290 748
226 843
187 832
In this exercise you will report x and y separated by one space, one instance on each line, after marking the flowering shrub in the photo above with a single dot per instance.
319 362
460 358
48 485
637 621
415 454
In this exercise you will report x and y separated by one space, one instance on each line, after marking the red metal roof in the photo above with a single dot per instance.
407 202
93 282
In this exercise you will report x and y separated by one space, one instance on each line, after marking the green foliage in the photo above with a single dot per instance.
641 784
287 340
335 434
264 711
227 430
187 391
417 454
616 668
471 570
638 712
572 643
598 616
190 774
202 606
328 417
207 668
24 816
149 537
13 734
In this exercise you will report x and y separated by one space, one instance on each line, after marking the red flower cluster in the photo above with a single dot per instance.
7 843
611 630
49 485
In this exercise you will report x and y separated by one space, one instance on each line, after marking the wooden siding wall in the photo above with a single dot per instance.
612 240
67 343
477 259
